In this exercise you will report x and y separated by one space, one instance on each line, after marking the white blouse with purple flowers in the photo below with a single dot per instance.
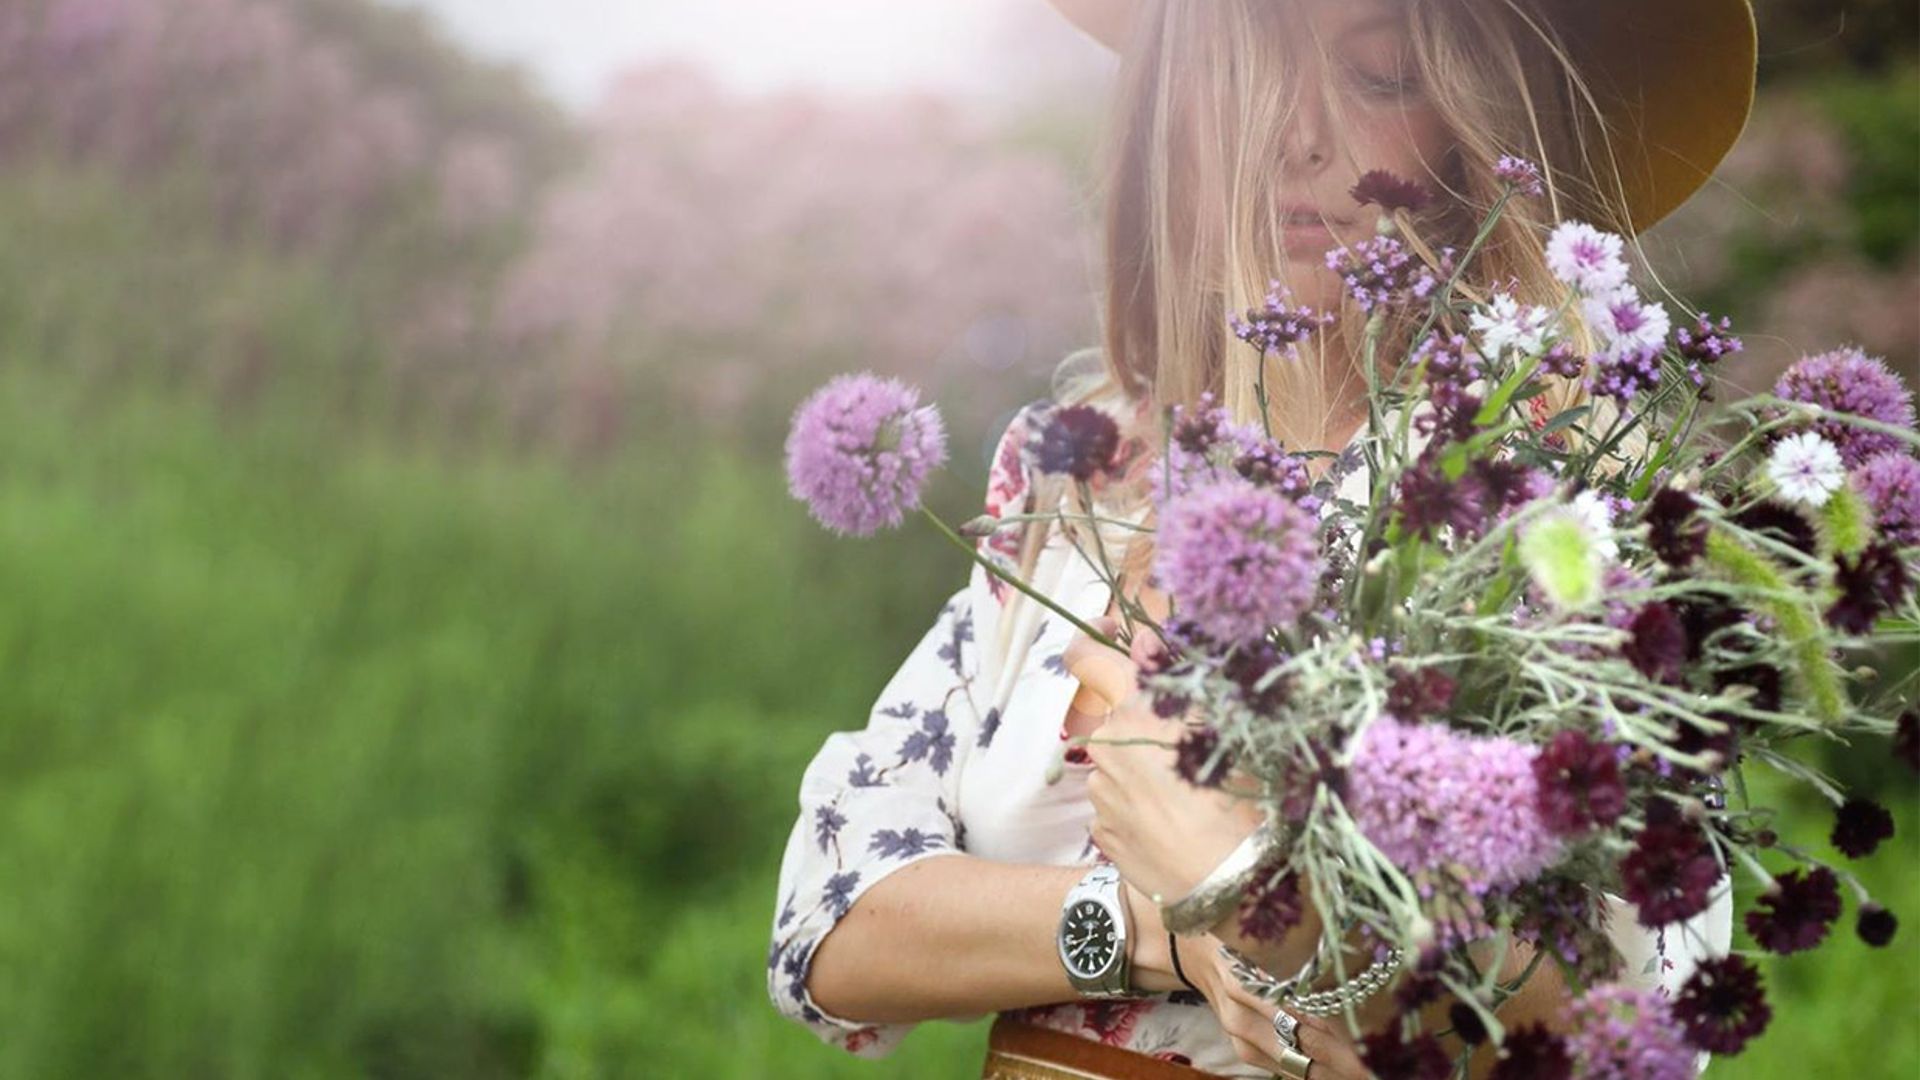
953 758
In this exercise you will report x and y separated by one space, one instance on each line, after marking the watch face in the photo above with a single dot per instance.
1088 937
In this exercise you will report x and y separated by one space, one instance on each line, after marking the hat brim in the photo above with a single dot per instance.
1674 80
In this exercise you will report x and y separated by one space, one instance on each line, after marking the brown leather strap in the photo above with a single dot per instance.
1022 1051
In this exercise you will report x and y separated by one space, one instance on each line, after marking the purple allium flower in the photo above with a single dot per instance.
1868 584
1859 826
1078 440
1389 192
1389 1057
1521 174
1722 1005
1795 913
1625 322
1670 873
1278 327
1658 645
1381 272
1433 799
1674 530
1579 784
1847 380
1891 484
1876 925
1272 908
1620 1033
860 449
1531 1052
1238 559
1586 258
1625 375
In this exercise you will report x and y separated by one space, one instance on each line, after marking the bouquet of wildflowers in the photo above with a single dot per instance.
1535 663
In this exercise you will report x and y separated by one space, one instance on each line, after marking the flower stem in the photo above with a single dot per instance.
987 564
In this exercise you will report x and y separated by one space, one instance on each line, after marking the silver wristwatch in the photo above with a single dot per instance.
1094 934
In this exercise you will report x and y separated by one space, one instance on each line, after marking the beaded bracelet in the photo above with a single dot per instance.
1329 1002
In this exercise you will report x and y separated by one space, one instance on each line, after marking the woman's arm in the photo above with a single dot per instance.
960 936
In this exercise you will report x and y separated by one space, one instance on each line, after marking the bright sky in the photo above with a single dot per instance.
859 45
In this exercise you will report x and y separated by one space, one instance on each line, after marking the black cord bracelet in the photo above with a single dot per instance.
1173 947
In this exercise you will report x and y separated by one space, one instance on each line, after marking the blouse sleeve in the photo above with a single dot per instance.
884 797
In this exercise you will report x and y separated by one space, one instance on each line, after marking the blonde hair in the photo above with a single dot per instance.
1501 80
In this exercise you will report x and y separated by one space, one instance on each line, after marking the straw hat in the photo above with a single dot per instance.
1674 79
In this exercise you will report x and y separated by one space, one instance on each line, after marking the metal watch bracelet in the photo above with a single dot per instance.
1221 890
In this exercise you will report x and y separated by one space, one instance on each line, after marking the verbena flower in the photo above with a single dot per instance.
1847 380
1627 323
1278 327
1562 360
1722 1006
1579 784
1621 1033
1238 558
1381 188
1703 345
859 451
1205 446
1624 376
1806 469
1433 799
1522 174
1586 258
1078 440
1891 484
1506 324
1859 825
1670 873
1794 915
1380 272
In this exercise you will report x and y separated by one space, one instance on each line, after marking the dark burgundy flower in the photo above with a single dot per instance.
1763 678
1580 785
1417 989
1670 872
1429 501
1532 1052
1859 826
1675 531
1691 739
1467 1023
1722 1006
1868 585
1078 440
1389 192
1876 925
1658 645
1417 695
1702 617
1906 739
1191 754
1509 483
1795 914
1250 666
1391 1058
1272 908
1780 523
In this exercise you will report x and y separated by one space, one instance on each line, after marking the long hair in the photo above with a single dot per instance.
1192 216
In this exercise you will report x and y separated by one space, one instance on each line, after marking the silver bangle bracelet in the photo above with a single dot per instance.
1221 891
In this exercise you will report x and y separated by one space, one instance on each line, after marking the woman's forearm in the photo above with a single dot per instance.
960 936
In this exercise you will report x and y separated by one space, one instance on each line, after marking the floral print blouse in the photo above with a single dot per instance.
954 757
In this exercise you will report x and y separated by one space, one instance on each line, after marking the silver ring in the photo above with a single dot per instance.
1288 1028
1295 1065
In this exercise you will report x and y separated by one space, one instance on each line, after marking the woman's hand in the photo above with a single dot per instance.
1248 1019
1163 833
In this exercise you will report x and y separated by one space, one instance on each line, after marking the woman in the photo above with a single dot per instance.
926 875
